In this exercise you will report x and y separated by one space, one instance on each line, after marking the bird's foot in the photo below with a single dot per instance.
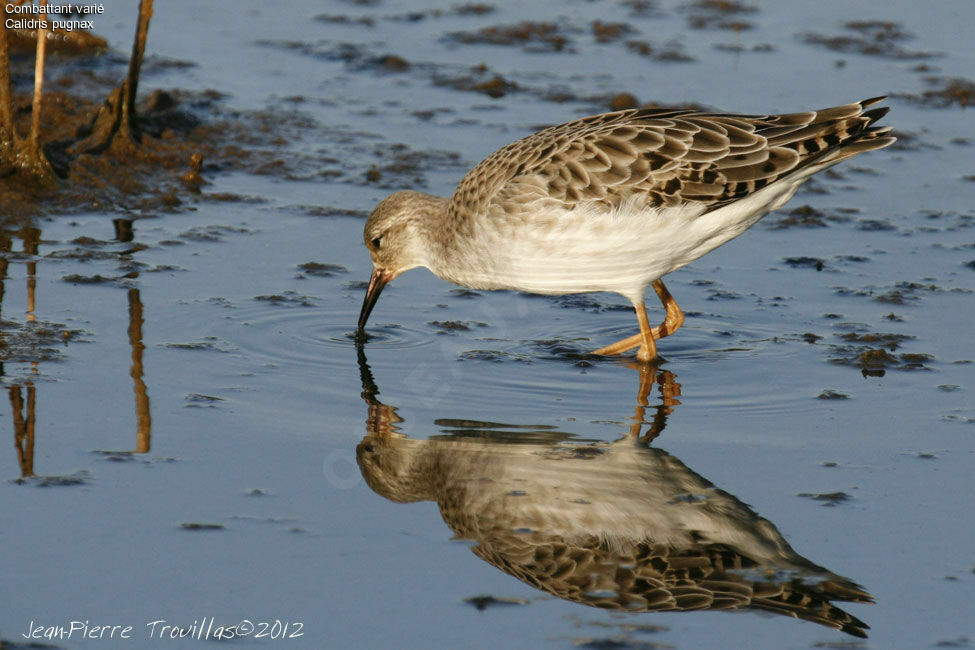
620 346
648 356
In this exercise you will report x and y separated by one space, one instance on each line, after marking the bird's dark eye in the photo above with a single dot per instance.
376 241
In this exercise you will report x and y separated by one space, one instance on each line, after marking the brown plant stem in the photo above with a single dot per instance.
116 123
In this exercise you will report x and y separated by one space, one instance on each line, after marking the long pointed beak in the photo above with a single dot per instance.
380 278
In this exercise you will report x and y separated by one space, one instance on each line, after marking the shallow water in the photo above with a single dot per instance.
198 424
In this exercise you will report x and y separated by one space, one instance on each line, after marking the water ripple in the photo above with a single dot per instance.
311 336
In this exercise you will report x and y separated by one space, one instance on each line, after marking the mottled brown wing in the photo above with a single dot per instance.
658 578
670 157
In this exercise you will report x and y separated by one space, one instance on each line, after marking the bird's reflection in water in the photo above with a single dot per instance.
619 525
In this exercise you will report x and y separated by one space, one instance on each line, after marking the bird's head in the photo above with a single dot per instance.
397 237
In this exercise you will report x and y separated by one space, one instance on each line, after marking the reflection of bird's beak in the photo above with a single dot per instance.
380 278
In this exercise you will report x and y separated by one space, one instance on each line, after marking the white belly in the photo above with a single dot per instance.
559 251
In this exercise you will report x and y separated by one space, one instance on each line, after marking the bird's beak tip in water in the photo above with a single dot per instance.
380 278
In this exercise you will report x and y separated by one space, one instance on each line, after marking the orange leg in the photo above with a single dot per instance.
648 347
675 316
672 322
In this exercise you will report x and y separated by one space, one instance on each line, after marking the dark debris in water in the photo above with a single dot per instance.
343 155
288 298
67 480
847 326
828 498
585 302
888 341
870 37
116 456
83 253
857 259
670 52
451 326
32 341
193 525
643 8
805 262
832 394
496 86
805 216
874 352
77 278
723 294
199 400
625 636
495 356
943 92
474 9
609 32
398 166
874 362
479 79
719 14
208 343
414 16
915 360
464 293
618 642
321 270
624 101
213 233
530 36
816 186
164 268
483 602
908 141
739 48
390 63
327 211
894 297
562 350
323 50
900 294
341 19
875 225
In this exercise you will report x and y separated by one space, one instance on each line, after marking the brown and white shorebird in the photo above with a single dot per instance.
613 202
621 526
618 526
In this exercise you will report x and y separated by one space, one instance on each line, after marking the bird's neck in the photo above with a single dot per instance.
434 234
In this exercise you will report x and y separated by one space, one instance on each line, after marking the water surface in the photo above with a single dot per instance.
186 440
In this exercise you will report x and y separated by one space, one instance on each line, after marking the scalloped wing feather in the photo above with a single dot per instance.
668 158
